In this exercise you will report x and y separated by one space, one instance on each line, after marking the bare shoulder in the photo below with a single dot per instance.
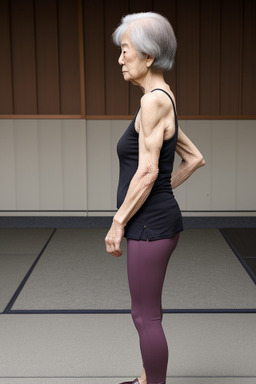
151 112
155 104
149 100
162 95
159 102
155 112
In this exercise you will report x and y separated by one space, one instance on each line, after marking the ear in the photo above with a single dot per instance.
150 60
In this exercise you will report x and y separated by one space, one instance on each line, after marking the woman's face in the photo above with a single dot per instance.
134 68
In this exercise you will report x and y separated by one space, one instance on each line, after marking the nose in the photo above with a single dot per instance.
121 59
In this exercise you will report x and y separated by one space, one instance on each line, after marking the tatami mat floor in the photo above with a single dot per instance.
106 346
74 273
205 348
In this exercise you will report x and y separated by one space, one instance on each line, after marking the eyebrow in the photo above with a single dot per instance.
124 45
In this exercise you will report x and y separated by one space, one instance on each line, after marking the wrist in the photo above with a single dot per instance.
117 220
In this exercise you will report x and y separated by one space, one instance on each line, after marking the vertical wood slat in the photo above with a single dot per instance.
81 57
94 42
187 56
116 89
23 55
47 57
209 57
230 87
6 102
69 57
249 59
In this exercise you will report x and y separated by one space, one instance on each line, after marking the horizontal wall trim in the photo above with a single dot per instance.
38 117
124 117
180 117
113 211
105 222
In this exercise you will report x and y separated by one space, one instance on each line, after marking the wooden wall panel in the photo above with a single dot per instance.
69 57
58 59
116 89
47 62
94 57
187 57
23 56
249 58
209 57
6 104
230 71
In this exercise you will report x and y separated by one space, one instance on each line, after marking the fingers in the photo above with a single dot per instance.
113 239
113 248
116 253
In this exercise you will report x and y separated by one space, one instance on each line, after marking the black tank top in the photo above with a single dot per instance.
160 216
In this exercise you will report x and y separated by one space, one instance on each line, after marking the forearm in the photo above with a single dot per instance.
138 191
184 171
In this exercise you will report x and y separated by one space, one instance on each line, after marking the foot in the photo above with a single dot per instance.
136 381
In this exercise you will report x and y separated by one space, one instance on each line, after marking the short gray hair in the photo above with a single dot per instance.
152 34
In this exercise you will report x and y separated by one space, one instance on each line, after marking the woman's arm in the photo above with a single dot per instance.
191 159
151 136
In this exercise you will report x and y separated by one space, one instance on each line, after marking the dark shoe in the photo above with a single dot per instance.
136 381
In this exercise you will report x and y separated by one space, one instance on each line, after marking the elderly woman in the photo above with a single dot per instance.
148 214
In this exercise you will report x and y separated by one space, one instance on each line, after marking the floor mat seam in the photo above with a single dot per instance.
28 274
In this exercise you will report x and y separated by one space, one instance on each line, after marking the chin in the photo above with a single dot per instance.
126 77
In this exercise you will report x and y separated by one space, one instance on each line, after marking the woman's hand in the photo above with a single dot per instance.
113 239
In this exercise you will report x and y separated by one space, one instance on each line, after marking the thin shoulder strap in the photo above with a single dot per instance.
175 113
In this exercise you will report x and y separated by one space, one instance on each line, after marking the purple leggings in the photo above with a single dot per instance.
146 263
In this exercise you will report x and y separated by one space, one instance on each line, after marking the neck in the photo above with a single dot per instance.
150 81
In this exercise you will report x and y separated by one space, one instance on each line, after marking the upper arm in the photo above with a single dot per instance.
187 150
151 134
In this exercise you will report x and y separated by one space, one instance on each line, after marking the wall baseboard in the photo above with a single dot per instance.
105 222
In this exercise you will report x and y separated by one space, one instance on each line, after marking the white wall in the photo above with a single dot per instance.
42 165
55 166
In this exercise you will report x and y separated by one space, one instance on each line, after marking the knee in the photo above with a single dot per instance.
145 319
137 319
